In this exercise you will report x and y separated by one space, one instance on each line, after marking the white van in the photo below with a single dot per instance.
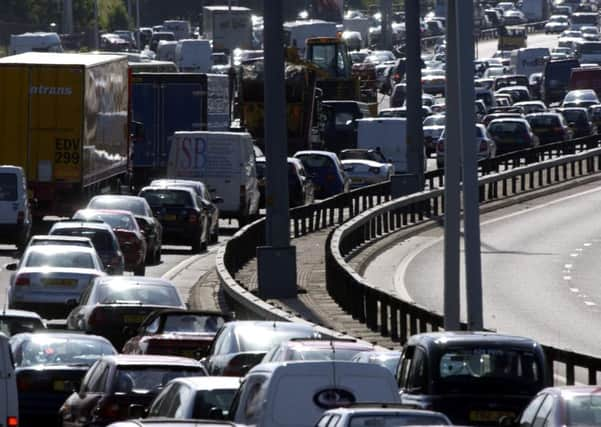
225 162
296 33
265 398
15 213
389 135
34 42
193 56
166 50
529 60
9 405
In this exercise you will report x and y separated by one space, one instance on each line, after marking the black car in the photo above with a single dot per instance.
474 378
240 345
48 367
115 306
300 186
512 135
208 201
182 215
114 383
138 206
549 127
578 120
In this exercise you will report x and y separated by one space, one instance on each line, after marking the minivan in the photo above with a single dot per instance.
265 398
193 56
9 406
225 162
15 213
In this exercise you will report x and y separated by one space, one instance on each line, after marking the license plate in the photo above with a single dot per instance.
133 318
59 282
489 416
170 217
58 385
188 353
357 180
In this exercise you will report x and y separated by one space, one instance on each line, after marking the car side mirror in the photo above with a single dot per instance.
136 411
217 200
12 266
216 414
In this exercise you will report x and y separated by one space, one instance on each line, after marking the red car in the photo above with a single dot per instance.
130 237
176 333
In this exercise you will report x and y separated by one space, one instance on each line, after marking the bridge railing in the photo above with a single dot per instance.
388 314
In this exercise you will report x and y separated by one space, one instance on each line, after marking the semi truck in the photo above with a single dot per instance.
228 27
64 120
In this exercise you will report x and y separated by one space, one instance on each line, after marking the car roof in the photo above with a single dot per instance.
210 382
139 280
188 190
82 224
366 409
61 248
117 196
299 344
62 335
151 360
60 238
443 339
329 154
509 119
5 313
266 324
92 211
169 182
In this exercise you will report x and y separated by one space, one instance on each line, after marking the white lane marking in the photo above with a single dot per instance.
401 272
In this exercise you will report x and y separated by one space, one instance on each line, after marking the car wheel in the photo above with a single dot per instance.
214 236
197 244
140 270
157 255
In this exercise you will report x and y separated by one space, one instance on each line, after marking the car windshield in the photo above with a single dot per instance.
8 187
115 220
583 410
488 370
434 121
192 323
433 73
575 116
12 325
48 350
135 206
324 354
40 242
101 239
142 379
263 339
64 259
393 420
114 293
167 198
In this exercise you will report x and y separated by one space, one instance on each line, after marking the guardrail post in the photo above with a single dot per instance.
569 373
592 376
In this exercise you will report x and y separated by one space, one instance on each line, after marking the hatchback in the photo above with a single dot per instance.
518 93
578 120
512 134
549 127
326 171
580 98
102 236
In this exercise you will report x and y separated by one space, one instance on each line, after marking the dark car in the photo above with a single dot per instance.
209 202
102 236
240 345
339 130
176 333
595 115
130 237
326 172
138 206
493 116
114 308
511 135
549 127
562 406
510 80
14 322
157 36
399 93
300 186
48 366
578 120
474 378
182 215
114 383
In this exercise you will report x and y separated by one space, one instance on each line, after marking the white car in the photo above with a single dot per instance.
433 127
557 24
365 166
381 415
433 80
49 279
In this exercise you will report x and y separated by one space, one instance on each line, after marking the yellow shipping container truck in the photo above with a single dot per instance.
64 119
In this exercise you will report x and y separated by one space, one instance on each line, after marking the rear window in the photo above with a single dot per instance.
192 323
60 260
506 128
394 420
152 295
101 239
8 187
583 410
142 379
317 162
575 116
16 325
43 349
134 206
543 121
261 339
167 198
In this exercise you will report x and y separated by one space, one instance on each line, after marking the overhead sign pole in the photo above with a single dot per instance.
452 151
276 261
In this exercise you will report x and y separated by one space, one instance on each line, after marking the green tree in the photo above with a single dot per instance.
117 18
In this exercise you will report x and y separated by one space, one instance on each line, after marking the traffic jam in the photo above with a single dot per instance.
153 145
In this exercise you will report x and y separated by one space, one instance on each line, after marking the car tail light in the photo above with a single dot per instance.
12 421
108 410
558 130
23 382
374 170
193 218
440 146
20 217
116 260
234 368
22 281
397 77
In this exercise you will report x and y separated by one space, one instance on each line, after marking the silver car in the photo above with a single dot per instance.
485 145
49 279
